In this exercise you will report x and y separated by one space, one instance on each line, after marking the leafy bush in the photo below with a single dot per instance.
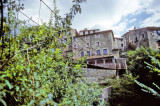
125 92
137 65
33 69
147 89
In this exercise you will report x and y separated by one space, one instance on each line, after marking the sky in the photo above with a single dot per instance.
117 15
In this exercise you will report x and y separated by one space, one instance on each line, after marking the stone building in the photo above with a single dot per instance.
101 47
104 51
147 37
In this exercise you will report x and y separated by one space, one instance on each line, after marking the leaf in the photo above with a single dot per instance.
28 70
37 84
3 102
31 103
8 84
17 88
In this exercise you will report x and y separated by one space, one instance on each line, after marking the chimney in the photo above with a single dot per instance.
85 29
134 28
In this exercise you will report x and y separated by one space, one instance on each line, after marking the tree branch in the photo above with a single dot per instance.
14 55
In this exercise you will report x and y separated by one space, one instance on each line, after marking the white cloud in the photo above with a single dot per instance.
117 29
107 14
102 14
154 20
133 20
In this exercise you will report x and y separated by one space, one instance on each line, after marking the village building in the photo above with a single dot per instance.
146 37
105 52
99 46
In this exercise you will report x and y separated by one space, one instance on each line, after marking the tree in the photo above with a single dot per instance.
124 92
155 92
34 71
137 65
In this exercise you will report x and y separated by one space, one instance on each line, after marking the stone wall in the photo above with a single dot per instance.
106 92
92 43
153 38
98 75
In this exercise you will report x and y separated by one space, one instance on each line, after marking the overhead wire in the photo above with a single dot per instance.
29 18
39 12
46 5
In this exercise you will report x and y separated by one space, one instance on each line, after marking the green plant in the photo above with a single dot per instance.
137 65
147 89
33 69
124 92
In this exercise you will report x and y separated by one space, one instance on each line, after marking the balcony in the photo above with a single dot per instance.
107 65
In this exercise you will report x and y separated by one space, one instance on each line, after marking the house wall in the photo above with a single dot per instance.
118 44
105 42
153 38
140 37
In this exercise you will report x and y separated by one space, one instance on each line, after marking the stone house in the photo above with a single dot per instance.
118 44
147 37
101 47
104 51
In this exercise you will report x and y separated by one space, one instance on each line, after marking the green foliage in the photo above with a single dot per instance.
147 74
137 65
33 69
147 89
124 92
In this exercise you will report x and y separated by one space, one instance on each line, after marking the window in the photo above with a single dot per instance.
81 33
87 37
82 54
136 40
88 52
98 52
74 39
86 32
97 43
121 45
97 36
104 51
99 61
158 42
91 32
97 30
88 45
74 46
65 39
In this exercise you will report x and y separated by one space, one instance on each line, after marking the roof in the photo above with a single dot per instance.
100 32
125 34
88 30
148 28
97 57
153 28
75 31
118 38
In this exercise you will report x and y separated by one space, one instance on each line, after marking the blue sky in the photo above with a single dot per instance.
117 15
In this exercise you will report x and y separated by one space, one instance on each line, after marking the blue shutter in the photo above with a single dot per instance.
82 54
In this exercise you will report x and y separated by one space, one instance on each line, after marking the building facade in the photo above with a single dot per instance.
100 47
103 49
147 37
